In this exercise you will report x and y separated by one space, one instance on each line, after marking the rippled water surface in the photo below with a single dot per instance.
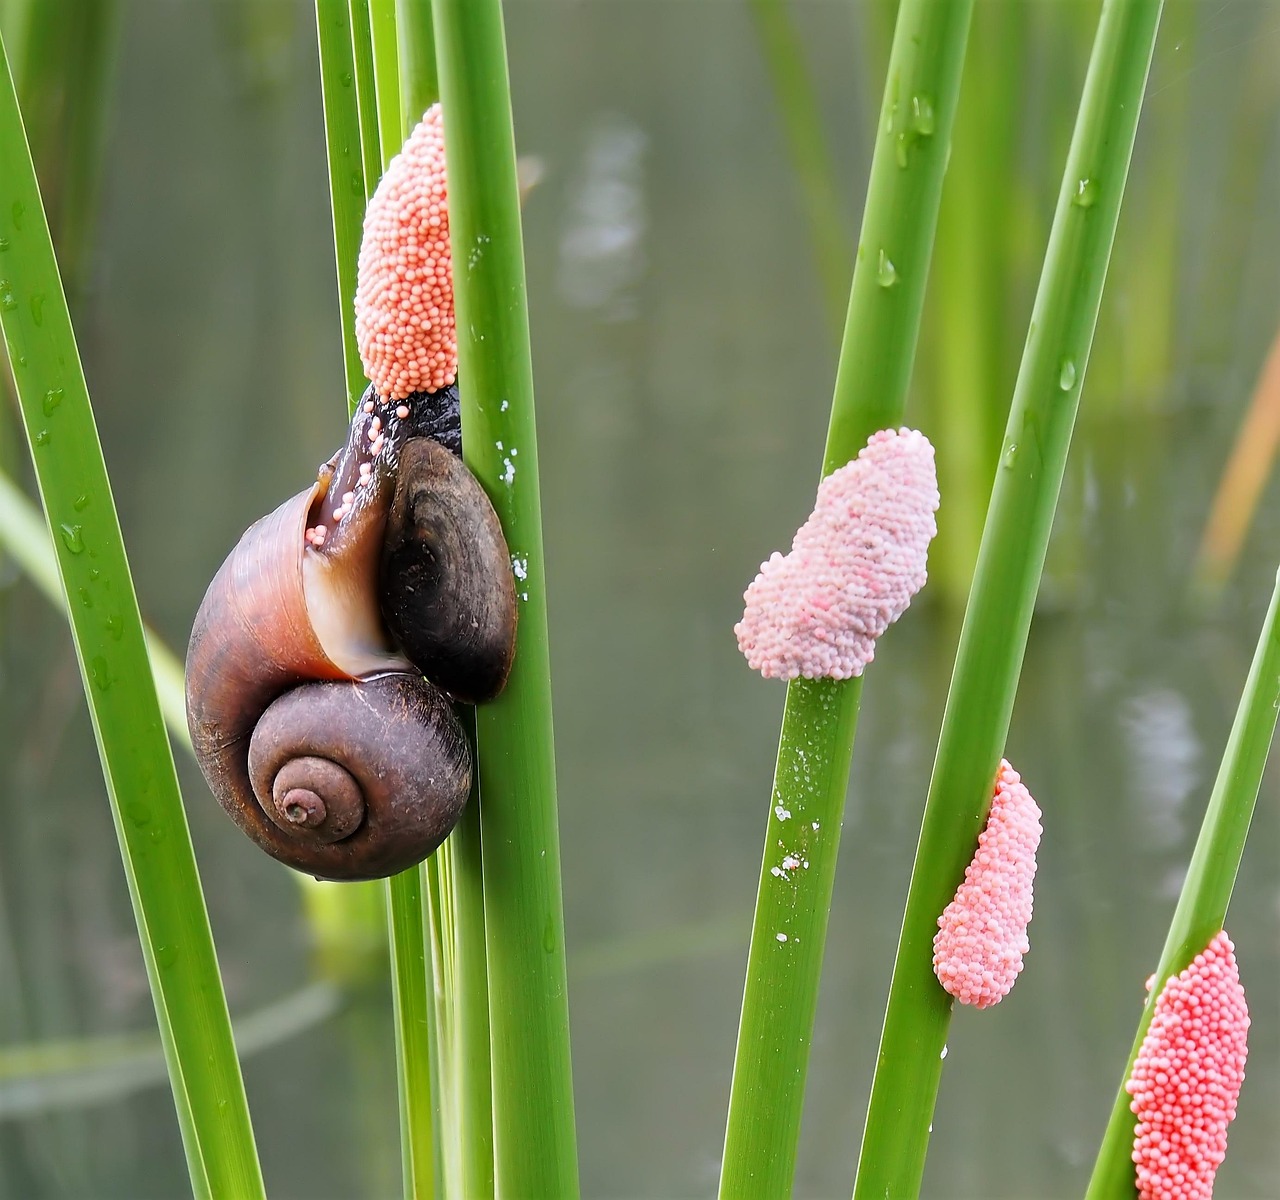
684 360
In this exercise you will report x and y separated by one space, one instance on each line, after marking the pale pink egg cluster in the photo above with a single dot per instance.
1186 1078
982 933
405 325
853 567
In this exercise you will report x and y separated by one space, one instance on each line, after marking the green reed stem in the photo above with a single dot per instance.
534 1136
1206 891
419 81
24 535
366 93
810 156
65 71
812 773
349 57
998 617
386 77
346 173
142 784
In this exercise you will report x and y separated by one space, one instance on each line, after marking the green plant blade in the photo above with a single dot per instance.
346 172
419 82
137 762
534 1137
366 89
998 617
417 1045
816 746
386 77
414 1057
24 535
1202 904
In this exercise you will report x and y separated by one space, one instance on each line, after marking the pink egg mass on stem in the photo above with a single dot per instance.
1187 1075
982 933
405 326
853 567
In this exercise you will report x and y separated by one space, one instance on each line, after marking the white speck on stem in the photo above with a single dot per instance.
520 568
782 937
782 813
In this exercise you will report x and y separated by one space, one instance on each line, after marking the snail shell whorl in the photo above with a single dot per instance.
356 778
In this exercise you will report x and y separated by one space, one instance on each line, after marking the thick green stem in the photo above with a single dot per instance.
137 762
1011 557
534 1138
812 772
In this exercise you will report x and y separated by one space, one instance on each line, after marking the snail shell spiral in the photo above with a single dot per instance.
323 740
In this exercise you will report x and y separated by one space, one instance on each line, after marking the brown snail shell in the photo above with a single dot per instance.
323 743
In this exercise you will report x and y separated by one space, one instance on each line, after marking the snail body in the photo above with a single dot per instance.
333 748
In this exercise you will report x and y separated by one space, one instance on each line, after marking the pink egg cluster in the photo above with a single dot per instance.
982 933
853 567
1186 1078
405 324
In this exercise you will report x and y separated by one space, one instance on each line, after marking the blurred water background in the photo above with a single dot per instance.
684 351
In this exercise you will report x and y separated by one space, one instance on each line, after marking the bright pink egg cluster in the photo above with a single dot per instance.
1186 1078
853 567
405 325
982 933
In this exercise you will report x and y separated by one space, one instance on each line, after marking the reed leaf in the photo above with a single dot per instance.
998 617
111 649
346 173
534 1138
1211 876
812 773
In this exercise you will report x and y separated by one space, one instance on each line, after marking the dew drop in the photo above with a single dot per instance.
886 272
37 309
85 598
139 814
357 183
42 438
18 213
346 78
1067 375
8 301
115 626
901 144
52 398
80 503
922 120
1086 195
72 538
1010 453
100 673
4 245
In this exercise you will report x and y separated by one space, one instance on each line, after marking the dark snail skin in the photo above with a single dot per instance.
447 592
321 739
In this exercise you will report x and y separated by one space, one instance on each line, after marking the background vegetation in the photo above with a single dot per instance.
683 353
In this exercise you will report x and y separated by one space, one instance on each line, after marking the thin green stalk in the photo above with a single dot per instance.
470 992
419 82
1011 557
366 94
534 1137
25 536
351 125
65 84
137 762
386 77
798 106
346 172
411 997
812 773
1206 891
